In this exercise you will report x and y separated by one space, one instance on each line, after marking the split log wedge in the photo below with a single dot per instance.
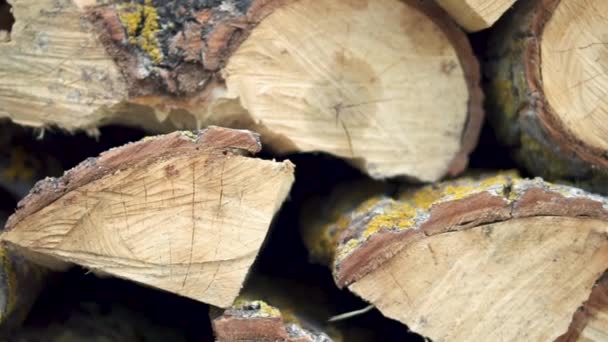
185 212
382 83
547 91
476 15
490 258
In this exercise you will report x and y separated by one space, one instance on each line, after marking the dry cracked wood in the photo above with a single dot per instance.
548 88
475 15
494 258
382 83
184 212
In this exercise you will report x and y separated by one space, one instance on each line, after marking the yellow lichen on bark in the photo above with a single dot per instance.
408 211
141 24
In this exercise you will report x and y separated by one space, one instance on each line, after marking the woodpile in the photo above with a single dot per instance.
303 171
377 70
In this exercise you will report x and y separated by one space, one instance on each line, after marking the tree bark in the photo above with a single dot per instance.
547 89
476 15
184 212
496 257
256 320
350 86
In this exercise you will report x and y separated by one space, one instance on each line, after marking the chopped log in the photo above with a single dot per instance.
473 259
476 15
547 89
256 320
277 309
185 212
383 84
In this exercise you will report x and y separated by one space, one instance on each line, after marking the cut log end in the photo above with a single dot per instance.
569 42
545 90
379 69
184 212
352 96
453 247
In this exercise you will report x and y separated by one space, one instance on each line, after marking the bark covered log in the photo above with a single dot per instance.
547 89
382 83
275 309
185 212
256 320
496 257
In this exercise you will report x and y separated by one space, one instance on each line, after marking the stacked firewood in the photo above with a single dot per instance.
397 90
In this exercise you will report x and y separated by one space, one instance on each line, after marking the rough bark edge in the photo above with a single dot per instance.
454 206
215 141
472 73
521 115
549 120
184 61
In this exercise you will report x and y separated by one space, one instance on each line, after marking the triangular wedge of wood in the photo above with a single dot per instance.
490 258
185 212
476 15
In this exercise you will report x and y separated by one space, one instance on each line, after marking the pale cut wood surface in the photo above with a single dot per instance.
519 280
376 82
476 15
54 71
182 213
491 257
381 83
574 53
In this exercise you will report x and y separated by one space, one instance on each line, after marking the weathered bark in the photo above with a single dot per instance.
185 212
547 89
386 84
475 15
497 257
258 321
